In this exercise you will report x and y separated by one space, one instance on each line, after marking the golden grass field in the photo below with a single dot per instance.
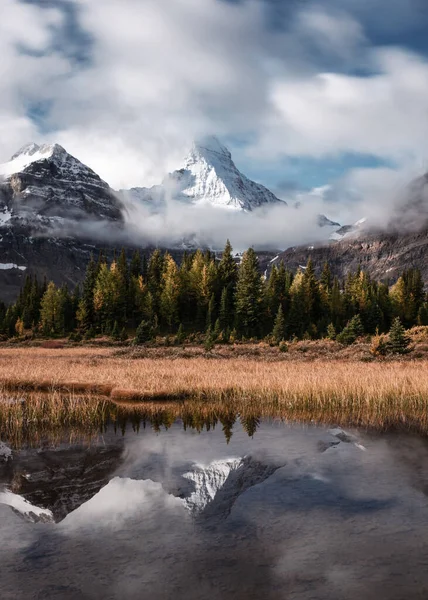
127 374
77 387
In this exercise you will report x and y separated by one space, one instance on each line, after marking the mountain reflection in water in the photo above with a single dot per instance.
163 502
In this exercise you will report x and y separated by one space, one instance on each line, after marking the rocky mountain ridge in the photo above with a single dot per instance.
55 211
208 176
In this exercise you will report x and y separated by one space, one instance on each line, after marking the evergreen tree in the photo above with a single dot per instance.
136 266
353 330
398 340
143 333
211 312
326 278
86 304
181 337
225 315
249 296
170 295
331 332
278 332
52 311
227 270
217 330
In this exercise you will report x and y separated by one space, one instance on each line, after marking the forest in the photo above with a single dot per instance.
219 299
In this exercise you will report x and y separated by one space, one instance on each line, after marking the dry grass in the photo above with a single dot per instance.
46 391
312 384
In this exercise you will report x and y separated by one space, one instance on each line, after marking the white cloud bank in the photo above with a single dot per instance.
163 73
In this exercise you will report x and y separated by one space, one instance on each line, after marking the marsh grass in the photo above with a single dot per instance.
53 418
82 389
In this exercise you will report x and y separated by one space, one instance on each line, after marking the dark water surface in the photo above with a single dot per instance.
294 512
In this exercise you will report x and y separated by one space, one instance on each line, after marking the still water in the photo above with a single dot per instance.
296 512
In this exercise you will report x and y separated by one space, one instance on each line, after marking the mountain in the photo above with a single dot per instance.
383 255
402 243
208 176
52 480
217 486
45 184
54 211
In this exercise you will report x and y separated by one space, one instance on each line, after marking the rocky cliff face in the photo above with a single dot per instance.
58 480
384 256
44 185
217 486
52 208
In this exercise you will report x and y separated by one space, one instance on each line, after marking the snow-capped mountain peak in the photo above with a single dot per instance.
29 154
209 149
209 176
43 183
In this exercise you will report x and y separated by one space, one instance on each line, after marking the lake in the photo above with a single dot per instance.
257 508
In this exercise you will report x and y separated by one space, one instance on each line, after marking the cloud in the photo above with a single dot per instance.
329 113
24 68
155 75
161 74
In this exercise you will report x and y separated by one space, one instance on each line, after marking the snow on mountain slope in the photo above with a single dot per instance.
218 485
28 511
46 181
324 221
208 177
349 231
208 481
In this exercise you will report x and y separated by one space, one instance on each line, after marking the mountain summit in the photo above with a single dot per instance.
47 182
208 177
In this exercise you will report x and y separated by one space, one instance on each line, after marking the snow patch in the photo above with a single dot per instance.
25 156
5 216
208 480
25 509
8 266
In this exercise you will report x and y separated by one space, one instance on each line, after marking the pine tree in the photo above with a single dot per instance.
278 332
227 270
225 316
124 302
52 311
217 329
86 304
143 333
169 298
180 338
331 332
249 296
155 269
353 330
135 267
326 278
398 340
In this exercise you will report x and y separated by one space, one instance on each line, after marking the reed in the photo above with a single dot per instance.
81 389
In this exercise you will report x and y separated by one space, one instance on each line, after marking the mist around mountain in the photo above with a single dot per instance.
55 212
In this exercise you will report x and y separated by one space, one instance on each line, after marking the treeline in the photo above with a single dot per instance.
219 298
